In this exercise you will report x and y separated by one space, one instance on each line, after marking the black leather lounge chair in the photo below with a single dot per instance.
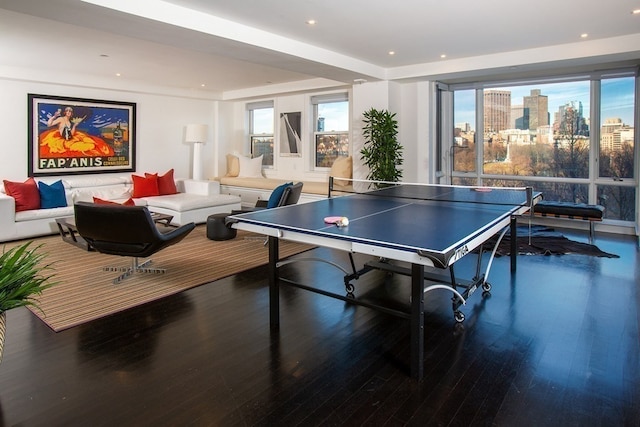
126 231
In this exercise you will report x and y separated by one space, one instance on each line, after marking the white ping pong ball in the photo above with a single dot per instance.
344 221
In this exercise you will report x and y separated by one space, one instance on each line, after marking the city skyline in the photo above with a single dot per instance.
616 101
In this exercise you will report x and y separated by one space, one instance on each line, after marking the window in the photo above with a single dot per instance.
571 138
261 119
616 150
331 128
462 151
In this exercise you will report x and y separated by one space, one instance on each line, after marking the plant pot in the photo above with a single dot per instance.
3 329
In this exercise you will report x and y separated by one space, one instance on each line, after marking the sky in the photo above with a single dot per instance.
335 114
617 98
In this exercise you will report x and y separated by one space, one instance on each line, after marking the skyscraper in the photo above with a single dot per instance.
497 109
536 107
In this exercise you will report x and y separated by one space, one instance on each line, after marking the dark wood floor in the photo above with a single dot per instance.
554 345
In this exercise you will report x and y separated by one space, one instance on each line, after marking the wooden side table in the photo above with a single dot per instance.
69 233
160 218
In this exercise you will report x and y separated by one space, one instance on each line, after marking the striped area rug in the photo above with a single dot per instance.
85 292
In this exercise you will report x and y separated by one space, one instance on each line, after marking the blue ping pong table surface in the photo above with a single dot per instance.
416 218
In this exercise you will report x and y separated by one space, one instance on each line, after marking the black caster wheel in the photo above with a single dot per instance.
458 316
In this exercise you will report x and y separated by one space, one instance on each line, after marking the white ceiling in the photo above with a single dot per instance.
230 46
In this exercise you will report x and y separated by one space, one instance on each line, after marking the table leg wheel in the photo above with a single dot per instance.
486 286
458 316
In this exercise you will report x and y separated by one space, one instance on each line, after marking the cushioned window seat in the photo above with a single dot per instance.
244 178
310 187
251 190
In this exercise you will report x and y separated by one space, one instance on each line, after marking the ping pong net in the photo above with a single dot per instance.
511 196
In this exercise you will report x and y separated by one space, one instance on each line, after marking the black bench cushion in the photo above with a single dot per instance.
570 210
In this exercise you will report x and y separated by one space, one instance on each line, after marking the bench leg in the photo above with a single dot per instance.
592 231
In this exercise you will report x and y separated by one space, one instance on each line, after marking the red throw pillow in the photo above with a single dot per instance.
145 186
26 194
128 202
166 183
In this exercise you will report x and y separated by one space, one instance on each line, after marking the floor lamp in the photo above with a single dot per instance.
197 134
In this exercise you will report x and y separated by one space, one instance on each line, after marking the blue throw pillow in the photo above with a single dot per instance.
276 194
52 196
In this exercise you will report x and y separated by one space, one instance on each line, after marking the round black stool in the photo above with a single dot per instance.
217 229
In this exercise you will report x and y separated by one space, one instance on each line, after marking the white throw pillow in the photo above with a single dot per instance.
250 168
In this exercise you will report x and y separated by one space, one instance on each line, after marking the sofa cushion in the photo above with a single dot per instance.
145 186
40 214
233 165
250 168
182 202
26 194
342 168
113 192
94 181
52 195
166 183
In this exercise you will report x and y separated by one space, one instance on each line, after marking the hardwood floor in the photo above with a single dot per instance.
556 344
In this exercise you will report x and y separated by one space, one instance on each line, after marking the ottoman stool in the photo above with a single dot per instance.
217 229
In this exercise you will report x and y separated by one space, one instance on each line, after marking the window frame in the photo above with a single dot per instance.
267 162
446 169
315 100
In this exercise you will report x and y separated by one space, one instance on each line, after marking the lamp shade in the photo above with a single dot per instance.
196 133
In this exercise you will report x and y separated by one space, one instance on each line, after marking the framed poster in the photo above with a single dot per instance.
80 136
290 126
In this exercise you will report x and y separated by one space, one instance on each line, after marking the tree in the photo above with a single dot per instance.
571 155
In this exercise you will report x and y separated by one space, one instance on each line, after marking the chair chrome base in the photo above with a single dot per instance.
136 267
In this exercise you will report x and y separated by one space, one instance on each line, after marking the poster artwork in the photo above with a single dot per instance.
80 136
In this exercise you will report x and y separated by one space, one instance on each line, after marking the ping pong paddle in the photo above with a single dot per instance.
340 221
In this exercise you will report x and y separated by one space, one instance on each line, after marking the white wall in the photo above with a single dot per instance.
161 121
288 167
365 97
409 101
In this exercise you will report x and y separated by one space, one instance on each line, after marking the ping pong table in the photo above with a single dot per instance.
429 227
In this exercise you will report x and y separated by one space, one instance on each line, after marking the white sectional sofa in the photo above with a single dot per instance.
195 201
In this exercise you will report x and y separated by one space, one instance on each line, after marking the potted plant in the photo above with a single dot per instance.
21 279
382 153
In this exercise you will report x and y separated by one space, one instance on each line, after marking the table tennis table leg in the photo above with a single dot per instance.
417 321
274 285
514 243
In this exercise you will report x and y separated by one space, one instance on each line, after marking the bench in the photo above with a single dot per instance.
568 210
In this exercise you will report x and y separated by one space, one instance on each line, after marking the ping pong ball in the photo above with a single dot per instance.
343 222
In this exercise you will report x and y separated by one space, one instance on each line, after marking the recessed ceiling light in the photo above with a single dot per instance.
311 22
584 35
391 52
104 55
635 12
443 56
118 74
